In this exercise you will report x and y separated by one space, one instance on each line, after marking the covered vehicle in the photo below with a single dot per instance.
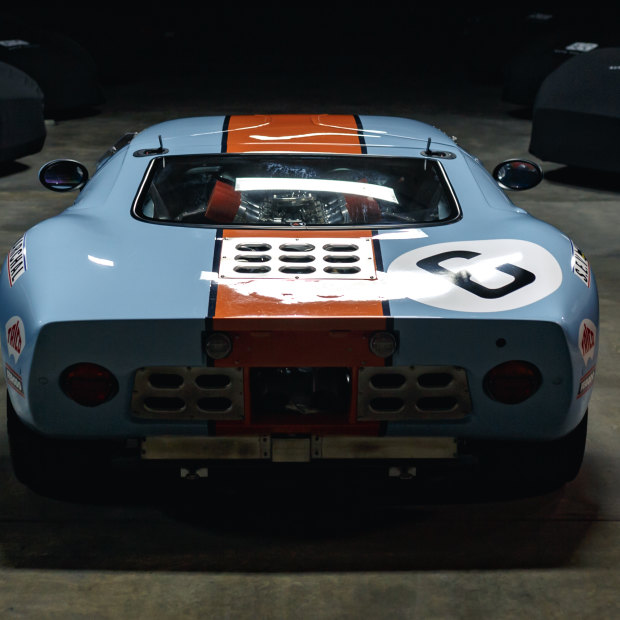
576 119
22 124
244 294
62 68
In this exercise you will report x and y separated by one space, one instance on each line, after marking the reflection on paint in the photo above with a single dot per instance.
104 262
249 184
290 291
304 135
485 271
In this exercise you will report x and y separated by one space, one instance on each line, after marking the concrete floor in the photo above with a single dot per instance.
446 553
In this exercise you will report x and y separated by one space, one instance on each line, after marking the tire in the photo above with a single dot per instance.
51 466
548 464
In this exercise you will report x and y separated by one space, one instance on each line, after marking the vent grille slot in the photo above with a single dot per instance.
252 258
300 258
184 393
253 269
297 247
340 247
253 247
343 258
325 258
298 269
413 393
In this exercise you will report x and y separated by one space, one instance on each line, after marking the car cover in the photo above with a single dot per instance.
536 58
576 113
64 71
22 123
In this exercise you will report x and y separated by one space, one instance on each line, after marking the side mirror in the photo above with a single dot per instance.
518 174
63 175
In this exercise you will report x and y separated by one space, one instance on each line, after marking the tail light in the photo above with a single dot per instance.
88 384
512 382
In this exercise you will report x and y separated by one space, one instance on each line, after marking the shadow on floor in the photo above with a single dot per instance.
291 527
588 179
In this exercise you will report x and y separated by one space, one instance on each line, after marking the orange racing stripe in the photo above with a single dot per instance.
312 330
318 133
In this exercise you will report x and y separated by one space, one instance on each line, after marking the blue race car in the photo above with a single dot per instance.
248 294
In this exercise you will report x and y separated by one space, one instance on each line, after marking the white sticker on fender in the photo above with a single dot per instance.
15 336
14 380
587 340
477 276
17 260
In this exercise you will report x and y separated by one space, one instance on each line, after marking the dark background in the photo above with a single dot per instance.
318 40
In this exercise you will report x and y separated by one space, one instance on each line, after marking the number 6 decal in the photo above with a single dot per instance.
489 275
522 277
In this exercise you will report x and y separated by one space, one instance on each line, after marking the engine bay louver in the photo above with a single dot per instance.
319 258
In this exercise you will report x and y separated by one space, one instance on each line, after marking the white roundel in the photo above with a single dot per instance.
477 276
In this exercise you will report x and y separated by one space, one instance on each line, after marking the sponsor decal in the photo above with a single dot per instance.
490 275
586 382
17 261
587 340
580 265
15 336
14 380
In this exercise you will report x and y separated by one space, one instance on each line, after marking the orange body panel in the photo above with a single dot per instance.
325 133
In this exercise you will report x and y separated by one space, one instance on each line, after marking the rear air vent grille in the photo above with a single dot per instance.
413 393
316 258
183 393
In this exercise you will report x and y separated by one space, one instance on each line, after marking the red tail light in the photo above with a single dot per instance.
512 382
88 384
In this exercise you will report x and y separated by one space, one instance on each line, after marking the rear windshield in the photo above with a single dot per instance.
295 190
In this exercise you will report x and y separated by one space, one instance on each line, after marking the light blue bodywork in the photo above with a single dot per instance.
102 286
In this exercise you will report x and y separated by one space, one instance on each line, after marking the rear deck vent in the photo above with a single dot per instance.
275 257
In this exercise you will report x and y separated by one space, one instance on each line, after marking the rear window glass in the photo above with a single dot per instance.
295 190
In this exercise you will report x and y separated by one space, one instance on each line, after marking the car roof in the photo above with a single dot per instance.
285 132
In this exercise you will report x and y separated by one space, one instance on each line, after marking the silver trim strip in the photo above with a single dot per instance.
297 449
